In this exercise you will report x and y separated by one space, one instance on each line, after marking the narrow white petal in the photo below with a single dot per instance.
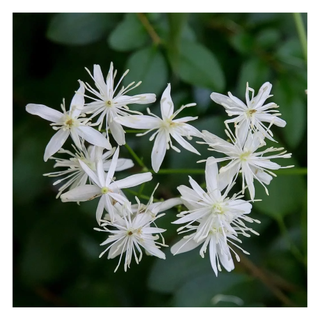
228 103
241 205
93 136
213 255
139 122
211 175
159 150
81 193
108 85
263 94
150 247
117 132
99 81
248 176
100 172
146 98
184 245
77 101
188 194
113 166
118 197
264 117
74 132
92 175
133 180
264 177
183 143
195 186
226 258
99 210
166 103
55 143
166 205
218 143
44 112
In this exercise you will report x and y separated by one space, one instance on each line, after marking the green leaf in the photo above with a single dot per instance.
267 38
177 21
287 194
290 53
149 66
290 95
242 42
128 35
79 28
178 269
204 290
254 71
199 66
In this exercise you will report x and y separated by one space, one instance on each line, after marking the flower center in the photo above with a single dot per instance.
168 124
217 208
132 232
104 190
250 112
244 156
108 103
69 122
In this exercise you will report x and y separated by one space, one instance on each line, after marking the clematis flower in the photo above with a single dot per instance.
211 206
68 123
105 187
243 157
214 219
253 113
108 104
73 173
129 234
166 127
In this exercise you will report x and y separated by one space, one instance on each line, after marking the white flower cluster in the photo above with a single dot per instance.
212 218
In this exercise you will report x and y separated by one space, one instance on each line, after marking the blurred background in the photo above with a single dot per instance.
55 249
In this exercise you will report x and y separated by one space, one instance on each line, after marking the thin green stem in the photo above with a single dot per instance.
292 171
151 31
181 171
301 33
135 156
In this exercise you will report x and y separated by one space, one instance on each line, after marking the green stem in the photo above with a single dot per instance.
181 171
151 31
301 33
136 157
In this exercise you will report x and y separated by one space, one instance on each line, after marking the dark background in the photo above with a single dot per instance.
55 249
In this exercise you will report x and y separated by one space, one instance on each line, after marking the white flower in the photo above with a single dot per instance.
105 187
129 234
253 113
166 127
218 219
244 158
219 249
211 206
68 123
110 104
74 175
